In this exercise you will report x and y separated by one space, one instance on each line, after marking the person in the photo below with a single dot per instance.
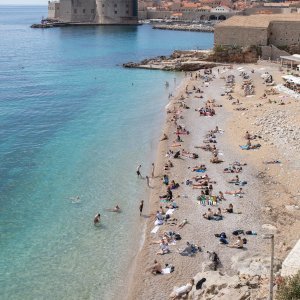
213 256
97 219
168 196
115 209
141 207
208 215
229 209
235 193
166 179
152 172
178 292
247 135
148 182
239 244
221 196
164 248
159 218
156 268
138 171
183 223
165 137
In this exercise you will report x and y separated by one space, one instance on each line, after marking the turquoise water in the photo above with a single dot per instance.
73 122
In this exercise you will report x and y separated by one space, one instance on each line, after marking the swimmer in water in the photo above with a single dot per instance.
115 209
97 219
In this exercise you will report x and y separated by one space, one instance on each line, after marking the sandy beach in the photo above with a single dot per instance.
271 193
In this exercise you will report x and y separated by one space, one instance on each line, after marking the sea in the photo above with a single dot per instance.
74 126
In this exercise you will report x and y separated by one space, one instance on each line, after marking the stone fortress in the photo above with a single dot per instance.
94 12
280 30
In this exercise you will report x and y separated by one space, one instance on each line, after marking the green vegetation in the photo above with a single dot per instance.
290 288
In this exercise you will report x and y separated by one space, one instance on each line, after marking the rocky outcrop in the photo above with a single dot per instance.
192 60
234 54
250 282
220 286
185 27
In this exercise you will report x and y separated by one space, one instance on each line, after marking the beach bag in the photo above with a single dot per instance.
177 237
244 241
200 283
237 232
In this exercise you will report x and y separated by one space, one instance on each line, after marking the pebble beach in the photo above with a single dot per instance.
270 199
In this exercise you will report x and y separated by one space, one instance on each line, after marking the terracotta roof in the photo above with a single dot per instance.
260 21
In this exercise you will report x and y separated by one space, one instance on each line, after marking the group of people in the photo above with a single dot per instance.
203 182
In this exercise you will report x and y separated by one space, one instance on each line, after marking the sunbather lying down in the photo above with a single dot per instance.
199 168
270 162
239 164
179 292
183 223
216 160
233 169
189 250
249 146
239 243
236 192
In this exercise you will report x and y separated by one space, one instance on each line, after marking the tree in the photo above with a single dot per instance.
290 288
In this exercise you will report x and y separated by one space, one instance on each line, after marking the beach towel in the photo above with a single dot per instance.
155 229
200 171
244 147
170 211
166 271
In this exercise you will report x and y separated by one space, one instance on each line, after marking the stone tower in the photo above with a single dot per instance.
94 11
117 11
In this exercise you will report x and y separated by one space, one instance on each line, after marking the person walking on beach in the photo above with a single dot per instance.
141 207
152 172
138 171
148 181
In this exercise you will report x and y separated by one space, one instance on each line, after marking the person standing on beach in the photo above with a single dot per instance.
141 207
148 182
152 172
138 171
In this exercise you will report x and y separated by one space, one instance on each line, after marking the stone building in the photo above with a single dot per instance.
93 11
259 30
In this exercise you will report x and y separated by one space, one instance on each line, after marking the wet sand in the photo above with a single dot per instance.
258 206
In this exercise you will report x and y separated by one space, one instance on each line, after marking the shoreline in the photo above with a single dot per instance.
138 288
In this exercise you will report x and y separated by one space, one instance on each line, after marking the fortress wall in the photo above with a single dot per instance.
53 10
84 11
284 33
117 11
241 36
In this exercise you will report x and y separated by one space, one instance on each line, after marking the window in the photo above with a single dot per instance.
127 12
75 11
102 5
92 11
115 5
116 12
83 11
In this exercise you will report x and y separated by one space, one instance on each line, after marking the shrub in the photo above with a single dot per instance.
290 288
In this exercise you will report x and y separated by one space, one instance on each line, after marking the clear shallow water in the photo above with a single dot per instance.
73 122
